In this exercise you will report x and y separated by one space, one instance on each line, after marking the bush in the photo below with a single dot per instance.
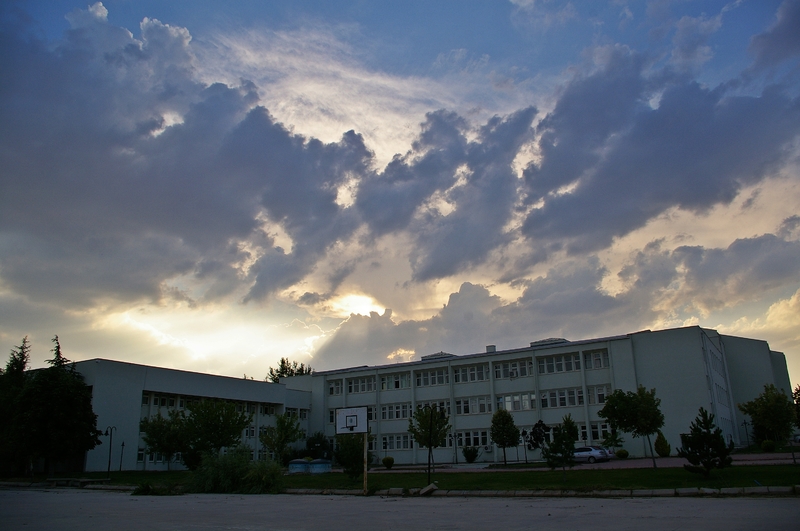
235 472
768 446
388 462
349 454
470 453
622 453
663 449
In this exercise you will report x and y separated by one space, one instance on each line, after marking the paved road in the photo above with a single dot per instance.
68 509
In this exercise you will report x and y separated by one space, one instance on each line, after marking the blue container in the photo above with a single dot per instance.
319 466
298 466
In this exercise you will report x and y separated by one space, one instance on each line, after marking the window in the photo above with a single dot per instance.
561 363
399 441
361 385
396 381
472 438
432 377
145 399
396 411
598 393
371 413
441 404
331 416
163 401
251 408
140 455
292 412
172 401
267 409
517 402
335 387
474 405
600 431
181 403
303 414
474 373
513 369
250 431
596 359
561 398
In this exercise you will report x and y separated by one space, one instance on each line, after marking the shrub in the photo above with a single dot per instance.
263 477
622 453
663 449
470 453
221 473
388 462
768 446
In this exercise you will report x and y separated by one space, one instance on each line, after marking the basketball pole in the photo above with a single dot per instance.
366 437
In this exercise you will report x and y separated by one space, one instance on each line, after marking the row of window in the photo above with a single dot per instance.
517 402
183 402
474 373
396 411
595 359
432 377
360 385
474 405
513 369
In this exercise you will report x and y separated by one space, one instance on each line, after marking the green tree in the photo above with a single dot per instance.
796 398
286 369
536 438
613 440
318 446
12 432
636 413
210 426
59 425
704 446
503 431
277 438
166 435
663 448
349 453
561 450
773 415
429 426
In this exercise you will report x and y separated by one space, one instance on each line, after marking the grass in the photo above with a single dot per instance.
576 479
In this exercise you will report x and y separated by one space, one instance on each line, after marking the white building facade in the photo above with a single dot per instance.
689 367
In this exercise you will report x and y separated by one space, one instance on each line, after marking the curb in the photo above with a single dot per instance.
634 493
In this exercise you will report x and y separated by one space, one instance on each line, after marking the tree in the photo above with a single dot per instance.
59 425
614 440
286 369
504 432
318 446
636 413
165 435
429 426
536 438
349 453
277 438
12 432
773 415
561 450
796 398
704 446
663 449
210 426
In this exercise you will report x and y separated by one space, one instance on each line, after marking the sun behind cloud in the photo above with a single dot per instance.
355 304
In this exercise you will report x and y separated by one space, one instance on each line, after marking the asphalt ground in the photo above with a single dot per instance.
74 509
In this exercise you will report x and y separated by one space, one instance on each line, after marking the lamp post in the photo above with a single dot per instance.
747 436
110 434
121 452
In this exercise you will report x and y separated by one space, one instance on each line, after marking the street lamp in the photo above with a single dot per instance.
121 452
744 423
110 434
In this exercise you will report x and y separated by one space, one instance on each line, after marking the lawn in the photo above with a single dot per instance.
576 479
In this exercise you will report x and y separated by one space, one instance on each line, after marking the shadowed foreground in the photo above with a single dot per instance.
66 509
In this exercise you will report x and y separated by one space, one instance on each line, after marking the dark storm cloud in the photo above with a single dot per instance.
781 41
101 199
630 162
448 243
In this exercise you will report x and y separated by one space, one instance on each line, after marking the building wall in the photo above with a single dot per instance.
117 398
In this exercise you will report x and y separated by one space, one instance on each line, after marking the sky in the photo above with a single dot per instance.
213 186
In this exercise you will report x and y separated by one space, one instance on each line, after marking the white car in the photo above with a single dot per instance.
591 454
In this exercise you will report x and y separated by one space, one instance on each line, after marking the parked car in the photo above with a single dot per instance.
591 454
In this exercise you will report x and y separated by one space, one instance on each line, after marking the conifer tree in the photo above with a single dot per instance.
704 446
